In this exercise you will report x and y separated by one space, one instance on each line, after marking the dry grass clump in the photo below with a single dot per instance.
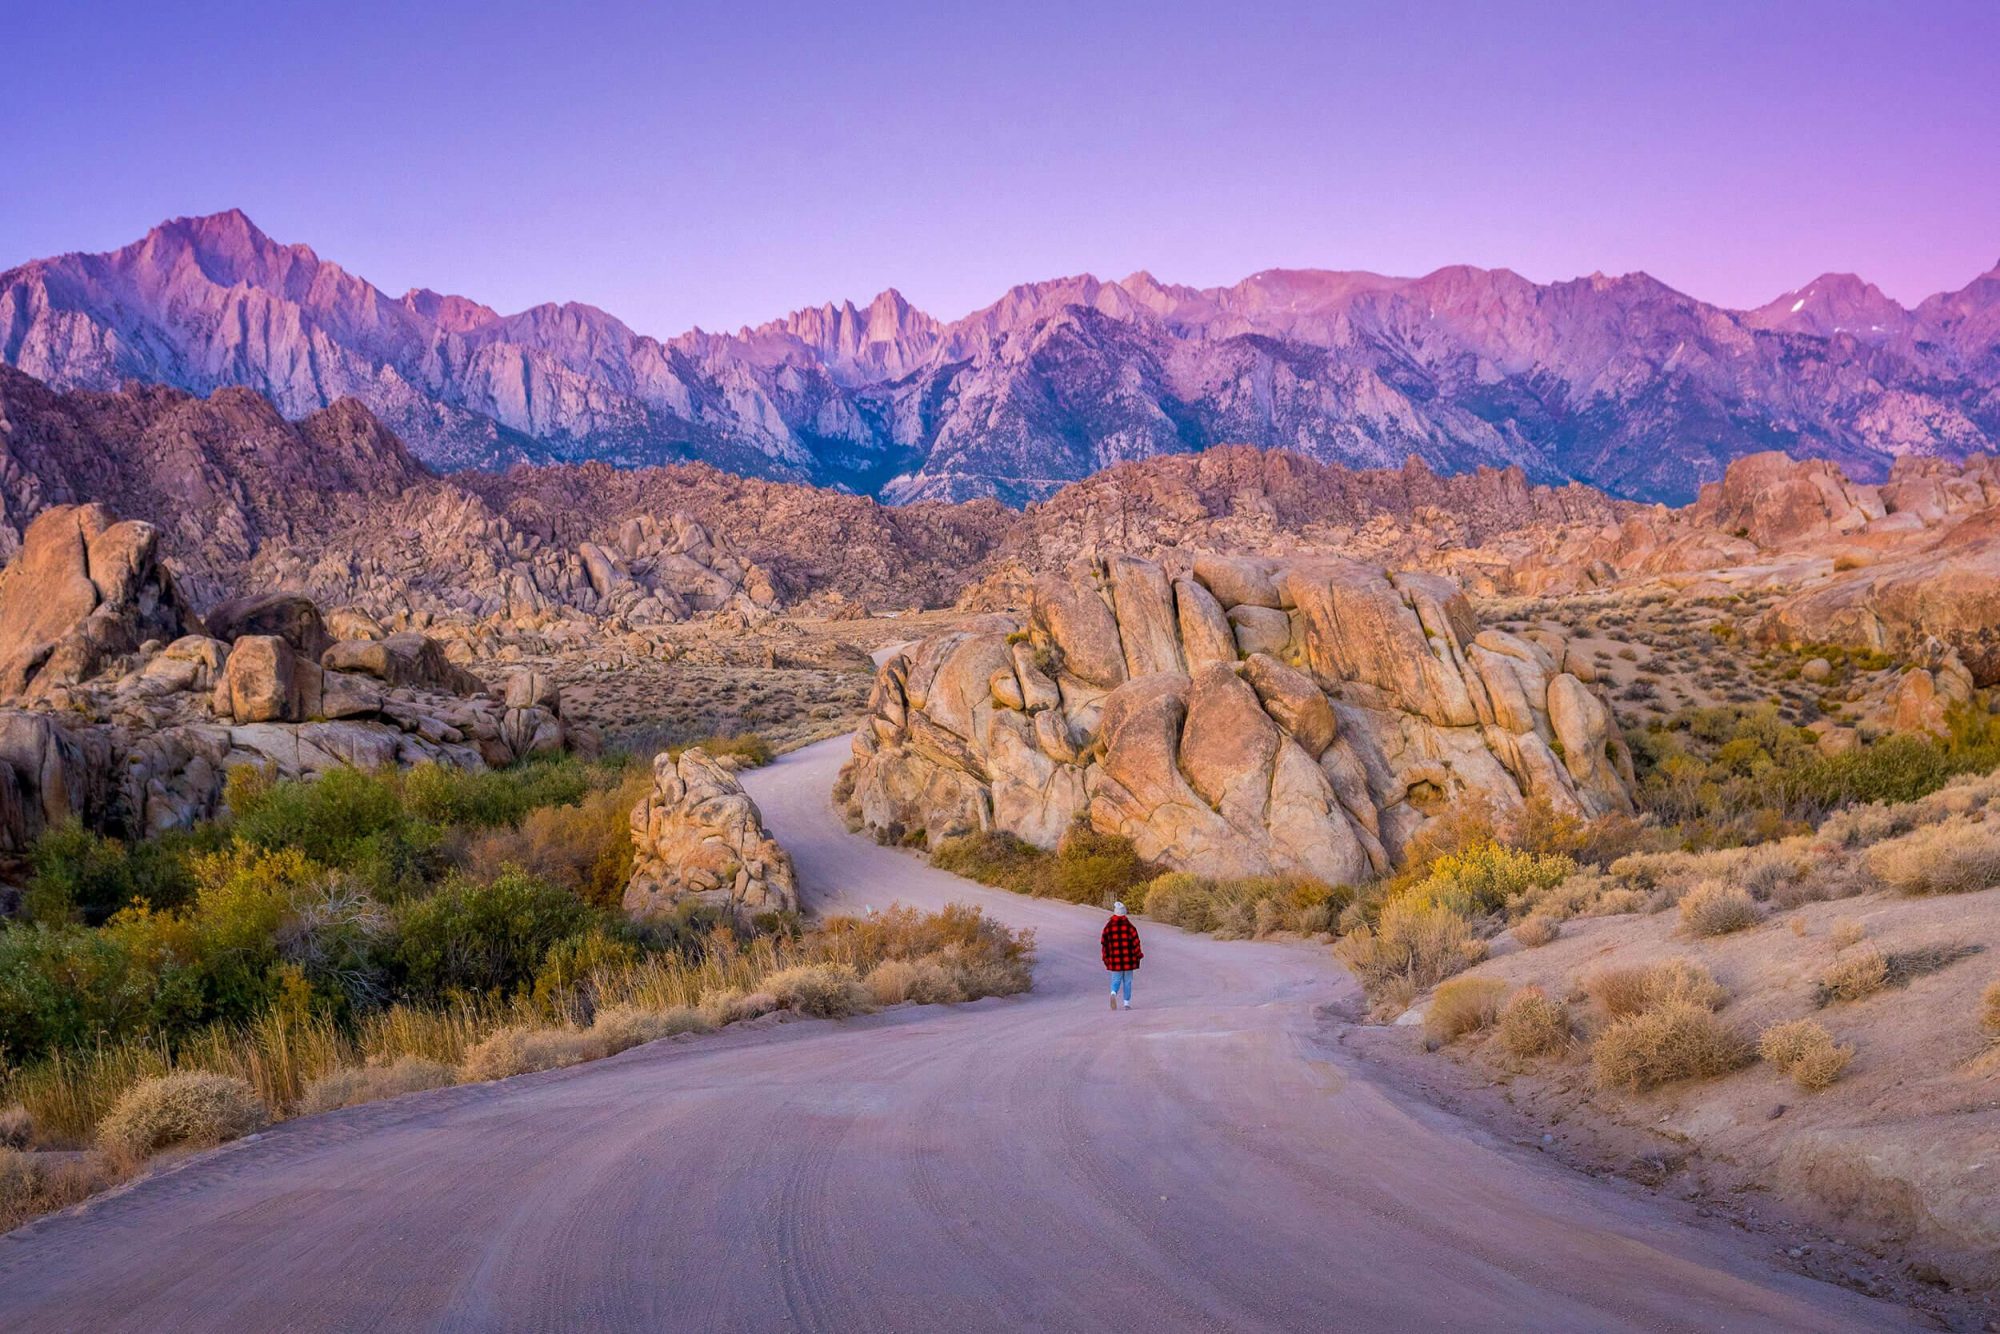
32 1184
924 981
17 1128
1847 932
1989 1011
820 990
732 1006
1463 1005
1716 909
1862 972
521 1049
1675 1040
1531 1024
353 1085
1536 930
1955 856
1628 990
1804 1050
189 1108
620 1027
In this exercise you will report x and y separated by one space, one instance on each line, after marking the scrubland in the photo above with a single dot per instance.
369 935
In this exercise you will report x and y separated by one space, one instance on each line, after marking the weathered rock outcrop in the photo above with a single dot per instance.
134 735
1250 717
1942 596
83 589
697 837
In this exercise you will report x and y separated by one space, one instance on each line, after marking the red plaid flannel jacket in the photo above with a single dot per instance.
1121 945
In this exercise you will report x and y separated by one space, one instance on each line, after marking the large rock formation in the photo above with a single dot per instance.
1243 717
698 838
118 709
84 589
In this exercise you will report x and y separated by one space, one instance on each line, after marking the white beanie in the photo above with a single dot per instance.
1118 910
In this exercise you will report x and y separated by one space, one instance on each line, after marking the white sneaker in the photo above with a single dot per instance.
1128 1005
1114 1000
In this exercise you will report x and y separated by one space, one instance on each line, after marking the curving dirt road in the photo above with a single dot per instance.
1198 1163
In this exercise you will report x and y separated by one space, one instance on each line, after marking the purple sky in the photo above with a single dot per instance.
721 164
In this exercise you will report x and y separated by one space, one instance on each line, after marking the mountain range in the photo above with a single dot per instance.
1621 382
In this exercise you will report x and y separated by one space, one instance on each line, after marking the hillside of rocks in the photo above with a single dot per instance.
122 707
1234 717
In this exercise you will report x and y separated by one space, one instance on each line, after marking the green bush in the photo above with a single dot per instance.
501 797
76 874
346 818
474 938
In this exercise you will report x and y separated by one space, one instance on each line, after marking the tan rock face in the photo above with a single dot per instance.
1378 709
83 589
698 838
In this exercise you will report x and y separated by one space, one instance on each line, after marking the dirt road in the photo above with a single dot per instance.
1037 1162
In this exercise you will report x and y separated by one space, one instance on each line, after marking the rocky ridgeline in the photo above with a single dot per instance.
333 505
122 707
1621 381
1910 566
697 837
1241 716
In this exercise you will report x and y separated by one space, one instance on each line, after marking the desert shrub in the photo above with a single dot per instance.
473 937
1665 1043
32 1184
345 818
998 859
1462 1005
1098 868
1630 989
625 1026
1536 930
1716 909
352 1085
1852 976
75 874
188 1108
522 1049
447 795
1846 931
1804 1050
1254 906
1531 1024
1955 856
585 847
925 981
1989 1010
819 991
565 983
1415 941
748 749
1488 876
732 1006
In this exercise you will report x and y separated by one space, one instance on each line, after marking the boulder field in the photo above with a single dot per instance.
1243 716
121 707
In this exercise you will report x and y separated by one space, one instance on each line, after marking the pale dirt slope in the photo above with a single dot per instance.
1199 1163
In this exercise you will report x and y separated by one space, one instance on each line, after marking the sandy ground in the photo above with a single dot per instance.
1207 1161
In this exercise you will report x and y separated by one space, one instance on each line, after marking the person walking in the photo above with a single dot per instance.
1121 954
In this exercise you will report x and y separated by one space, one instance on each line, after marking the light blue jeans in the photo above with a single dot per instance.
1121 985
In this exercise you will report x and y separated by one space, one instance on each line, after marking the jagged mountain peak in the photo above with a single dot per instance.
1834 303
1620 380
